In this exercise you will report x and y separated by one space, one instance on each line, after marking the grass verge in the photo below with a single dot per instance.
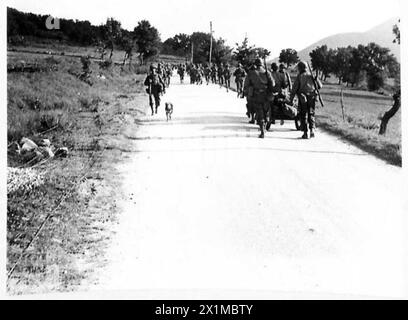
77 195
361 122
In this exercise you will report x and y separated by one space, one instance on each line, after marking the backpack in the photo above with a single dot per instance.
285 80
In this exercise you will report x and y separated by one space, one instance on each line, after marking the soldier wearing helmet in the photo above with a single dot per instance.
207 73
239 75
273 108
256 88
155 86
227 76
214 72
275 75
286 81
305 90
181 70
220 75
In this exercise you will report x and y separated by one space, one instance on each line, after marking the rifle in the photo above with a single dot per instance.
316 86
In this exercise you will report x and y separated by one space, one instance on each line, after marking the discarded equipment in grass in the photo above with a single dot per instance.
32 153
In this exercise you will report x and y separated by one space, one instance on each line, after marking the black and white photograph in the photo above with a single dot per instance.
203 150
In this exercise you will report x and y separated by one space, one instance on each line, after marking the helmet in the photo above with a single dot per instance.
258 62
302 65
274 66
152 67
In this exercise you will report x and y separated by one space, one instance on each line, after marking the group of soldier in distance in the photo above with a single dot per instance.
269 92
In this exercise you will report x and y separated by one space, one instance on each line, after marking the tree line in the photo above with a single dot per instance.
196 47
21 24
351 65
143 39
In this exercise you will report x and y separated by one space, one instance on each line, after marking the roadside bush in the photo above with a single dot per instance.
52 60
106 64
375 80
141 69
49 120
89 104
33 103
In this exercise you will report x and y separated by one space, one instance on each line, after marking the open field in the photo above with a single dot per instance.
20 52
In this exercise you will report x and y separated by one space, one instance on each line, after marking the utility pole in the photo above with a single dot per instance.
211 41
192 52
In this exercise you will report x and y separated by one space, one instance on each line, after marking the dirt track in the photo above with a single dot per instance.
210 206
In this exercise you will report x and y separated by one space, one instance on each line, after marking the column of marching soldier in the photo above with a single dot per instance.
270 94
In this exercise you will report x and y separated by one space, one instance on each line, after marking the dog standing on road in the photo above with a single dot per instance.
169 110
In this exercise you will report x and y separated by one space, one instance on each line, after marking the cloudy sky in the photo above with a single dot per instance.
268 23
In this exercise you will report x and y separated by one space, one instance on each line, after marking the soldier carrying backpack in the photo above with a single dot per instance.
306 87
155 86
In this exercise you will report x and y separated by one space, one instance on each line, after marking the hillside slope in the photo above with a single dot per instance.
381 34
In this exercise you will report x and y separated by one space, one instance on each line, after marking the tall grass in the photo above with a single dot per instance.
37 100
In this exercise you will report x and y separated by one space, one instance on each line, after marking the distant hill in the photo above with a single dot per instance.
381 34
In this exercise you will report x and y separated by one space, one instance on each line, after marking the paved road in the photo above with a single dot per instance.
210 206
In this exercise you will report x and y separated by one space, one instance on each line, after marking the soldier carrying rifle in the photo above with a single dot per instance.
239 75
257 88
155 86
306 87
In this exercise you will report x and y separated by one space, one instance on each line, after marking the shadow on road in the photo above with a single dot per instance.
199 119
220 125
263 148
246 127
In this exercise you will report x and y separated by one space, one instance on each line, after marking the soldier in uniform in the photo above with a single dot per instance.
227 77
188 69
214 72
169 74
249 105
305 89
276 90
286 81
220 75
192 74
239 75
155 86
285 85
181 72
207 72
160 71
258 87
199 74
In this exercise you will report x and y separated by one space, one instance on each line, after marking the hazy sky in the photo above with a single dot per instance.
268 23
